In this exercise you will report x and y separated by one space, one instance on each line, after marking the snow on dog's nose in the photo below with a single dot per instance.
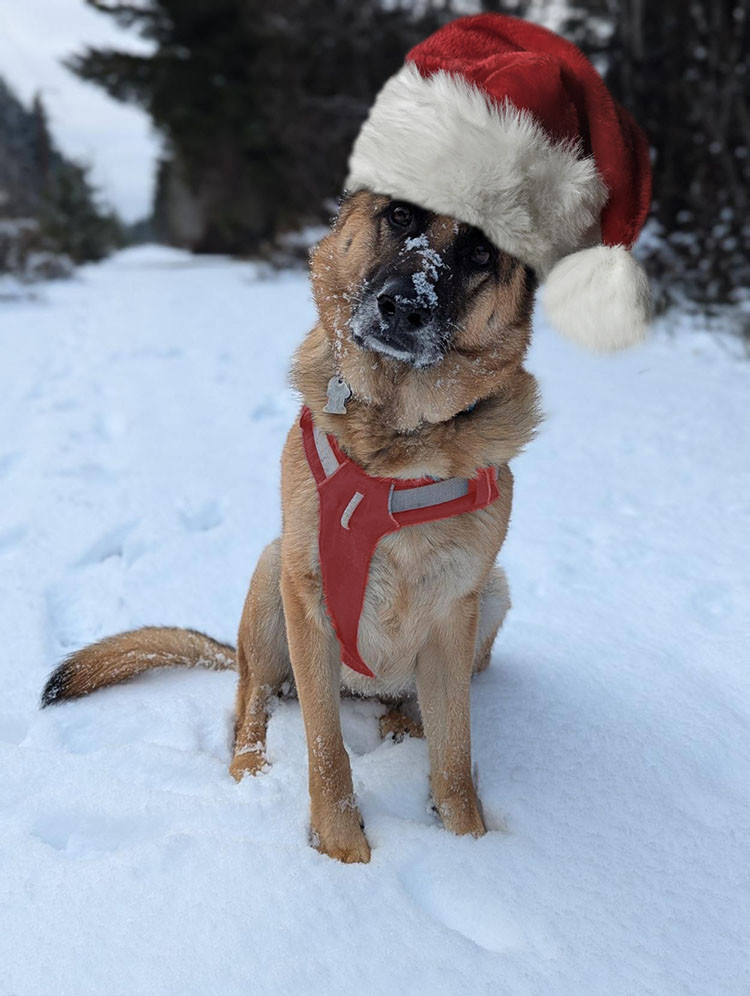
400 312
401 309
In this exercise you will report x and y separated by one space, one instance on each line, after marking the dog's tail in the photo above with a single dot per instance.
118 658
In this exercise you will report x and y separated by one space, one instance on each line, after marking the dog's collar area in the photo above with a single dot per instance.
404 495
357 510
338 392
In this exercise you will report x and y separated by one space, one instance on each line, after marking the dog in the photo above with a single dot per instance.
427 325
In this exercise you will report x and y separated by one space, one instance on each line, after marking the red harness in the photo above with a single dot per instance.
357 510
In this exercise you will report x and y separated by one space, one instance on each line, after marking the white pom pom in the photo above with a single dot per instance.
599 298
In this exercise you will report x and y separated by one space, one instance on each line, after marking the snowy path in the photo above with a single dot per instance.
142 412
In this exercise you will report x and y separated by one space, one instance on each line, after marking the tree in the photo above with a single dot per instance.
259 103
681 67
47 204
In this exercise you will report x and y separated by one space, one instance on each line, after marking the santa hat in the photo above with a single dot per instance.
505 126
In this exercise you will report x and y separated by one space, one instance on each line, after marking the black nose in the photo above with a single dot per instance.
400 307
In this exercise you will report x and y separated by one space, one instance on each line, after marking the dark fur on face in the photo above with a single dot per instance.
425 274
428 270
423 314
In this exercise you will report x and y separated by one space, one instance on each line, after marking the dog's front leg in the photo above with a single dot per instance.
444 669
334 815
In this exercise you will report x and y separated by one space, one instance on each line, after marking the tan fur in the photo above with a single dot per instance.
434 599
397 723
431 584
119 658
263 662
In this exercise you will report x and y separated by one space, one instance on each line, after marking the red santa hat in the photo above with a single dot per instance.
508 127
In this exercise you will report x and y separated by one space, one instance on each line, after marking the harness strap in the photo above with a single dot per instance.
357 510
403 497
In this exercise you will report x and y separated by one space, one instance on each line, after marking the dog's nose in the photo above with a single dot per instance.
400 306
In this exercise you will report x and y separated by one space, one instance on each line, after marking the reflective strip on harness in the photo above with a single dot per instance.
426 495
406 498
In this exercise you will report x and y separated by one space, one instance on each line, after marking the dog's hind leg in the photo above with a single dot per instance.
402 720
494 603
263 663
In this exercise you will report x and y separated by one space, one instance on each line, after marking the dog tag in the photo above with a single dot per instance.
338 392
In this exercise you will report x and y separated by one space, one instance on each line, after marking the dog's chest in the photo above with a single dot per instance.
416 577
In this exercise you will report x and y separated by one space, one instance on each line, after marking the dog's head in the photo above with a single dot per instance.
408 287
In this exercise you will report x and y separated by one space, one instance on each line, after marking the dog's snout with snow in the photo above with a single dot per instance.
430 271
408 324
408 289
404 309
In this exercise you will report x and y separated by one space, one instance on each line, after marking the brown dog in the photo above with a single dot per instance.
428 324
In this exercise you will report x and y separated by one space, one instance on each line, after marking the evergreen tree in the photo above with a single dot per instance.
46 202
681 67
259 103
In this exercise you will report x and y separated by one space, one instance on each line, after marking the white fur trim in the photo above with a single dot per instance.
438 142
599 298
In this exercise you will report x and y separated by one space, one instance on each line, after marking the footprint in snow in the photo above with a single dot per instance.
12 538
268 408
201 518
79 835
83 605
111 544
63 623
359 724
7 462
13 729
110 426
87 473
711 599
465 903
65 405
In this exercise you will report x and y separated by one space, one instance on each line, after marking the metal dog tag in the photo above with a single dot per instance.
338 392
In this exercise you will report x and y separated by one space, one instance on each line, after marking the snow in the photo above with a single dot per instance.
424 280
143 407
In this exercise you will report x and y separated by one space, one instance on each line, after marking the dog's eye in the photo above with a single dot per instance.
481 254
400 215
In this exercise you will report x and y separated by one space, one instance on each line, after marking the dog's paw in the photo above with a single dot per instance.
350 852
398 725
247 762
345 842
461 813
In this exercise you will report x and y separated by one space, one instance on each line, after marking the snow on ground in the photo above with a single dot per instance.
142 411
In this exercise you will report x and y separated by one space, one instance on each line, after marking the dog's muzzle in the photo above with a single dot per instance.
399 319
